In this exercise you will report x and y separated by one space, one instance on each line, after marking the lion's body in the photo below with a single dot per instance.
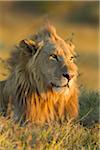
30 87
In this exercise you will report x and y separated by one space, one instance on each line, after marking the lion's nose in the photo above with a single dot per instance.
68 76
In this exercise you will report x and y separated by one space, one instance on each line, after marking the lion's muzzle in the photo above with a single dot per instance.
68 76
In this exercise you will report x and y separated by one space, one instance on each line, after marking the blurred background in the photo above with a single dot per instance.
19 19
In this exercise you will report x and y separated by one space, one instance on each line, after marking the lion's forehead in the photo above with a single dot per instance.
57 47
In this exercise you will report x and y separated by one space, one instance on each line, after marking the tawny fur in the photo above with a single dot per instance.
27 88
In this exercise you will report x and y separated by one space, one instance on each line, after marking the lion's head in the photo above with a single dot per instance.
44 73
53 61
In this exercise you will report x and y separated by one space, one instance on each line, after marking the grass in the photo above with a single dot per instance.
89 107
80 135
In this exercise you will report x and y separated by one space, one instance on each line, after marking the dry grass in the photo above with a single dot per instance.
67 136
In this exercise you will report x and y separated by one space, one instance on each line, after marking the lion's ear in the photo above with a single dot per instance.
28 46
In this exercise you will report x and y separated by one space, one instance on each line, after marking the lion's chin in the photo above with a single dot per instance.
60 89
63 89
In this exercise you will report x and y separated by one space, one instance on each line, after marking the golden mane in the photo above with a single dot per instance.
40 110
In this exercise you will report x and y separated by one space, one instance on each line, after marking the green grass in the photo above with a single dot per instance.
80 135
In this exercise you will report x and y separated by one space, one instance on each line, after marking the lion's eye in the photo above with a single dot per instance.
72 58
53 57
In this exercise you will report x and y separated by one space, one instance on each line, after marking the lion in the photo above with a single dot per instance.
42 85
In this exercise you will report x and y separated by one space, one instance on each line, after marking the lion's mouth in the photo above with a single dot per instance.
60 86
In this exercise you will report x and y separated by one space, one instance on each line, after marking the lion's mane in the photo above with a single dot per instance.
29 97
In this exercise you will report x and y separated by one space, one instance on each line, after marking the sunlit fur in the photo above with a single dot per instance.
28 90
